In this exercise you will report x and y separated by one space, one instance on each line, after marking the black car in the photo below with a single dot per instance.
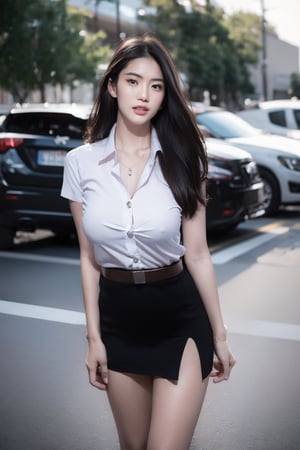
235 189
34 140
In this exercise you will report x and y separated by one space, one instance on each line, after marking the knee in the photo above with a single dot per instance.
133 443
167 445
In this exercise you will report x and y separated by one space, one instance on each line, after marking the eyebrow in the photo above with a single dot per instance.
139 76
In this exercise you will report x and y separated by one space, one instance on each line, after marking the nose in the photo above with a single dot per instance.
143 94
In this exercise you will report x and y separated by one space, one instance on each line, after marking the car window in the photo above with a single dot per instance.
226 125
297 117
45 124
278 118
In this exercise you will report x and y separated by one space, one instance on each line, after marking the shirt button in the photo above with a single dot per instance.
135 260
130 234
128 204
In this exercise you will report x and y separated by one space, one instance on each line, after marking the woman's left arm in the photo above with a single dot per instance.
199 264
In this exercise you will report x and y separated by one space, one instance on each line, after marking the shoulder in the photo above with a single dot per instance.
92 153
86 152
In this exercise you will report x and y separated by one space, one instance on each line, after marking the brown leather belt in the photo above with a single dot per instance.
142 276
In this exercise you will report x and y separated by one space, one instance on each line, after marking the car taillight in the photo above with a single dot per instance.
218 173
6 143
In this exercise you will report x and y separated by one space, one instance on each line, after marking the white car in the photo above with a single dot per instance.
276 116
277 157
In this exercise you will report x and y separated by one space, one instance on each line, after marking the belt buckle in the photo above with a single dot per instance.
139 276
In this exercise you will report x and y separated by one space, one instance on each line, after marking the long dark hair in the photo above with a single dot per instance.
183 158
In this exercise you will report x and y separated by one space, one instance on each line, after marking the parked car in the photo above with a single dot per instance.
2 118
235 188
276 116
33 143
277 157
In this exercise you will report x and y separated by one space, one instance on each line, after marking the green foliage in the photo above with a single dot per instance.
214 50
201 50
245 30
16 32
94 52
41 43
204 49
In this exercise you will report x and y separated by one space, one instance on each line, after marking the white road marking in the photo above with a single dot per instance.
40 258
245 327
226 255
251 327
263 328
42 313
219 257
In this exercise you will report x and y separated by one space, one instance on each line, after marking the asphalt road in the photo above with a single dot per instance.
46 402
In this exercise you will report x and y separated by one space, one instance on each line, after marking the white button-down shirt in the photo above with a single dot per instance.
138 232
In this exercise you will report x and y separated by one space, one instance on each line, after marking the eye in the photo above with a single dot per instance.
132 82
158 87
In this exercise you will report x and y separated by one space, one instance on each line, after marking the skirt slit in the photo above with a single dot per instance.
145 327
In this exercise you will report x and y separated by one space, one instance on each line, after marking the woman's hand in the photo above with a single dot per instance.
96 363
224 362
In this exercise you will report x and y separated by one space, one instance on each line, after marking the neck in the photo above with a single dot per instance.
131 141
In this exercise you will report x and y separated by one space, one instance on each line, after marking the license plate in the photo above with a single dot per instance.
54 158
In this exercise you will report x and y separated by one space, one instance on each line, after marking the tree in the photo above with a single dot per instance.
203 49
79 52
17 42
92 52
245 30
201 53
41 43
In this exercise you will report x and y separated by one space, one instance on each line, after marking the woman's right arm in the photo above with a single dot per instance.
96 361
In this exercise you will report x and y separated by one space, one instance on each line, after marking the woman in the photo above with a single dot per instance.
137 196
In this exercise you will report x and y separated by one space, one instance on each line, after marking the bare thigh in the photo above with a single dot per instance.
176 406
130 398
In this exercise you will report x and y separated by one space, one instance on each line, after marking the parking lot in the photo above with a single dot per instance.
46 402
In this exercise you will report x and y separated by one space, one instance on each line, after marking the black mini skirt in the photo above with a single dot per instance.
145 327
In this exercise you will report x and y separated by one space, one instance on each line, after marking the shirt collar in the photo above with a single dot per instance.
108 150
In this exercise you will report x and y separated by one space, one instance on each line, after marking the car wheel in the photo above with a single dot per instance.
6 238
271 192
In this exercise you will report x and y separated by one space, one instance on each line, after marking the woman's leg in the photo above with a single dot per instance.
130 398
176 405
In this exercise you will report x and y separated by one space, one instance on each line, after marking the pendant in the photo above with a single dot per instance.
129 171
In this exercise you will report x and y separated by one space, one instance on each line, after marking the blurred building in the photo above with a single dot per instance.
282 59
119 19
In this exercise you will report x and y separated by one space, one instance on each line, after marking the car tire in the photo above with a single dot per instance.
6 238
271 192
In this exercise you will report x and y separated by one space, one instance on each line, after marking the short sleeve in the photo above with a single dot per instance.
71 187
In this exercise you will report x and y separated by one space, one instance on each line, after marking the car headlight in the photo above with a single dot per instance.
290 162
